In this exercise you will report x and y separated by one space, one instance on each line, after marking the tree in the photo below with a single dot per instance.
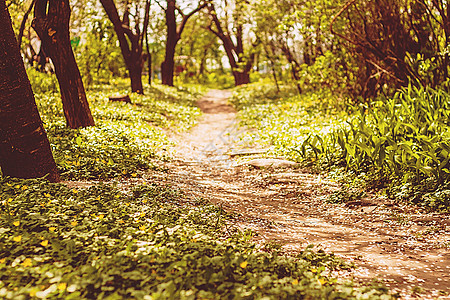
131 43
51 23
200 48
232 37
396 42
24 147
174 31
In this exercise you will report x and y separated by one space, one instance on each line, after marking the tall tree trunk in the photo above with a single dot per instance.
52 26
168 64
234 51
174 31
131 43
135 73
24 147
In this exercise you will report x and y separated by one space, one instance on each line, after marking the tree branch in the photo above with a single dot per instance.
22 25
186 18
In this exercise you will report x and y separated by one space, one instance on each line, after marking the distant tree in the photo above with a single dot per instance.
131 42
174 31
200 46
24 147
230 30
51 23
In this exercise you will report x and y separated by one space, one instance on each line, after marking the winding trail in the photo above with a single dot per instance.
406 250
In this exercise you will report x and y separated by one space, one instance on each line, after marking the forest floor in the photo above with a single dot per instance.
405 249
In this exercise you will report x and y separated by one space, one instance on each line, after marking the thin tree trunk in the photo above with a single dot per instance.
52 26
234 51
132 47
174 31
168 64
24 148
24 21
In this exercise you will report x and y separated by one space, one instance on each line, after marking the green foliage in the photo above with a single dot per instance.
42 82
126 138
407 135
287 121
401 144
60 242
327 74
98 58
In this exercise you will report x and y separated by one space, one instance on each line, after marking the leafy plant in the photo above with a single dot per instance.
61 242
127 138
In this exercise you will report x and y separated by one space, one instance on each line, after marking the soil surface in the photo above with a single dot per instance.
407 250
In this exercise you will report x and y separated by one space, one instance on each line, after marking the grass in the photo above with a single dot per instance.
149 242
127 138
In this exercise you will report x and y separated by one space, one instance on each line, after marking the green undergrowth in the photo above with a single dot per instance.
127 138
400 144
150 242
283 120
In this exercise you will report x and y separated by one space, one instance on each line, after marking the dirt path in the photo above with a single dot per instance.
407 250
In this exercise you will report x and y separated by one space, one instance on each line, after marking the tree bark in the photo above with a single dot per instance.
24 148
240 67
174 32
52 26
173 37
131 44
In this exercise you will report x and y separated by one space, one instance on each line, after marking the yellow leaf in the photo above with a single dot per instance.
124 172
2 260
10 199
51 229
17 186
101 216
16 223
24 187
142 227
244 264
74 223
142 214
134 174
17 238
33 292
47 195
295 281
74 191
322 281
314 270
44 243
62 286
27 262
121 221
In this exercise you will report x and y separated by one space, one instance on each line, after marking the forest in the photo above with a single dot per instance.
224 149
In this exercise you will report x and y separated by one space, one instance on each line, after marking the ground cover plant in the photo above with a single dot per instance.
126 138
400 144
147 243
